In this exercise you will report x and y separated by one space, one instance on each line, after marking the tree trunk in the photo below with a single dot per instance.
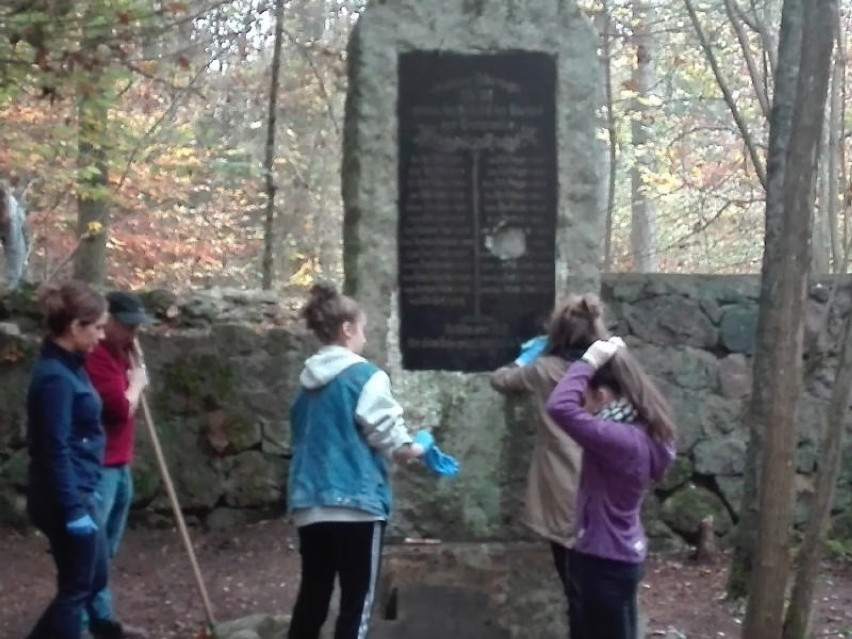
269 234
835 172
798 616
821 262
92 187
783 291
643 222
783 102
603 21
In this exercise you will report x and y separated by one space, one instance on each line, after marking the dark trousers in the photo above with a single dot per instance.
350 551
560 562
603 597
81 571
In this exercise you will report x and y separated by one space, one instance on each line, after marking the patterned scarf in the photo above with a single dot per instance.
619 410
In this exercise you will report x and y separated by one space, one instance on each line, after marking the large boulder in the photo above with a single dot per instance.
671 320
686 508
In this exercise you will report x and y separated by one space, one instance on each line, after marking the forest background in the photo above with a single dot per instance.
150 123
181 145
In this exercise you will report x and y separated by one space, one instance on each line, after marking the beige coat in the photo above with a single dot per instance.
554 473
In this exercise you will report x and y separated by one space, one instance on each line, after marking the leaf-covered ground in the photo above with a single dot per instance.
255 569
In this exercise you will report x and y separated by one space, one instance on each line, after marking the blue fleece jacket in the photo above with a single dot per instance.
64 432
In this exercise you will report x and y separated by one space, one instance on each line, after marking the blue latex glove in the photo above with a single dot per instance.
425 439
531 349
435 460
82 526
441 463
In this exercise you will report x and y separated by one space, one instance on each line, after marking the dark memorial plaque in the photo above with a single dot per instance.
477 206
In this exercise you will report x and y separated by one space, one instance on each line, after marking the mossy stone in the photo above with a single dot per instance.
678 475
202 383
685 509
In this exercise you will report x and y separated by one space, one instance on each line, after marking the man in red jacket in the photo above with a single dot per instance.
119 378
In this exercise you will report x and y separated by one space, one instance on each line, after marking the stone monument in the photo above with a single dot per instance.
472 199
471 174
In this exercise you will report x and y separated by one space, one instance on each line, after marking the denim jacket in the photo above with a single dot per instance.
345 426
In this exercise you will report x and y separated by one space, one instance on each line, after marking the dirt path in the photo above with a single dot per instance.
256 570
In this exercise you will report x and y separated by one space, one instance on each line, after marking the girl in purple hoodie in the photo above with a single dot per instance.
609 406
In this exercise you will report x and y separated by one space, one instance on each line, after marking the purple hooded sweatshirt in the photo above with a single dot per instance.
620 461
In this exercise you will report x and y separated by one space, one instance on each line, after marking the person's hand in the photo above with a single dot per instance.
138 377
82 526
601 351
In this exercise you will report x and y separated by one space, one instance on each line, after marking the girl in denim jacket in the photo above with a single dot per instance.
346 428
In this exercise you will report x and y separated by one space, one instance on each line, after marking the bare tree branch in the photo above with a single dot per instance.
756 24
758 81
172 108
302 48
756 160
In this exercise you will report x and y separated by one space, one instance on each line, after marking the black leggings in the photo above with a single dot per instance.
603 597
350 551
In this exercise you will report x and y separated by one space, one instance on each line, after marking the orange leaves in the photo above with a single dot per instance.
176 8
11 354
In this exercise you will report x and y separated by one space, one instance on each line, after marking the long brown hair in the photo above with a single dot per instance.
624 375
576 324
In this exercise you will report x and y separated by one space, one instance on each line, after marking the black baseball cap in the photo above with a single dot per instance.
127 308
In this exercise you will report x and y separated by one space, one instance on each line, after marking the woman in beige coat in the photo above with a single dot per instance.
555 467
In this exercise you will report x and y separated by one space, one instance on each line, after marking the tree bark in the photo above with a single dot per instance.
821 241
93 187
783 103
835 162
797 620
269 235
603 20
783 291
643 218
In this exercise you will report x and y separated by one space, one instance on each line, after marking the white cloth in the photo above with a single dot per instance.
14 240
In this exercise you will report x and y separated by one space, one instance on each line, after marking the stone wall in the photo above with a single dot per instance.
225 364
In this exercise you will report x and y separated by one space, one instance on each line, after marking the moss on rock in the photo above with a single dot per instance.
685 509
203 383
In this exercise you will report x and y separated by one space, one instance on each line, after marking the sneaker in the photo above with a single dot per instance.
106 629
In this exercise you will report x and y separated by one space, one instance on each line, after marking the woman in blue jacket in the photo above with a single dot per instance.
66 446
